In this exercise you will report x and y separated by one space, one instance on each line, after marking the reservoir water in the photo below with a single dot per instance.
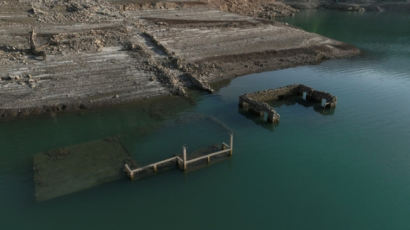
346 170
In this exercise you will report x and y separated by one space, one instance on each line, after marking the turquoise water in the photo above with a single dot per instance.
348 170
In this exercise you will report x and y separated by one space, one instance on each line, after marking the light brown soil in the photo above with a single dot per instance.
93 52
267 9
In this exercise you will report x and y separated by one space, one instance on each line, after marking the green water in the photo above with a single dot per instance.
348 170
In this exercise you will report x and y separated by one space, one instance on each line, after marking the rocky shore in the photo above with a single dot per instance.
75 54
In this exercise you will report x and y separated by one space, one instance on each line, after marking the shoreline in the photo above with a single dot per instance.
351 5
131 54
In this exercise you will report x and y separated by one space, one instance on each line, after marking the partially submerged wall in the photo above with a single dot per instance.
192 161
258 102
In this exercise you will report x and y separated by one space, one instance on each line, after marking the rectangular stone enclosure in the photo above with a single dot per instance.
257 102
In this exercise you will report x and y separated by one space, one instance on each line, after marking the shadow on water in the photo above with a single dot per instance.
257 119
221 84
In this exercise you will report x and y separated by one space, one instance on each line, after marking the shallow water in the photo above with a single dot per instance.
348 170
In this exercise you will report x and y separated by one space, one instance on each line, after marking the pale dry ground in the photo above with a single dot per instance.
228 44
108 53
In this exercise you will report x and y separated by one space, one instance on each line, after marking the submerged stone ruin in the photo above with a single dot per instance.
200 156
71 169
185 162
260 102
74 168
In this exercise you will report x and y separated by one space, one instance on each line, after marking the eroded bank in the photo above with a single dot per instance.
93 53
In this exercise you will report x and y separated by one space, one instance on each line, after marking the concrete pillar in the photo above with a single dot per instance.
243 104
271 117
231 144
129 171
324 102
184 156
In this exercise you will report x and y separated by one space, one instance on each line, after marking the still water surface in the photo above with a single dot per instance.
348 170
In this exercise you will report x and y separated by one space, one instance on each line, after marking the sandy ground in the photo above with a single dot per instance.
86 53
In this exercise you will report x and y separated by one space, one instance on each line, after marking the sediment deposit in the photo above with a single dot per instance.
75 54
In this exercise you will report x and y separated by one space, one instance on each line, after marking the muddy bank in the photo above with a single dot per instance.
66 55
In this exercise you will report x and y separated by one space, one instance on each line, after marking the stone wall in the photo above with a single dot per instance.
258 102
